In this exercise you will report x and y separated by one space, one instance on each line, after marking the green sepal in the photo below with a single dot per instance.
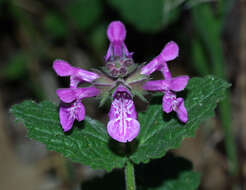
140 95
105 96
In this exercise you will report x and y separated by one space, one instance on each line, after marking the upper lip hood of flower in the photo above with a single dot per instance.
116 33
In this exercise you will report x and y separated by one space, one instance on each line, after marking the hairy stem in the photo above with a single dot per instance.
130 176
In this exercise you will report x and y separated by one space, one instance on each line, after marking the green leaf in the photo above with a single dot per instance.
89 145
84 13
159 133
187 180
146 15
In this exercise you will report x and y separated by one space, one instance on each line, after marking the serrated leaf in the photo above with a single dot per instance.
159 133
187 180
89 145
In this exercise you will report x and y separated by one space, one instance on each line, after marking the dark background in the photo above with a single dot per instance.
212 38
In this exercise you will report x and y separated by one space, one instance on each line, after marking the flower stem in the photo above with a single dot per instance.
130 176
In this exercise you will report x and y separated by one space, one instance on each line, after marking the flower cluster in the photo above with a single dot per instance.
169 85
119 81
71 107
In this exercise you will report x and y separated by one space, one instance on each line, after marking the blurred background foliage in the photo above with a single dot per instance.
210 33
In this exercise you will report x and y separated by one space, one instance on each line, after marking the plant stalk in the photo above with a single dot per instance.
130 176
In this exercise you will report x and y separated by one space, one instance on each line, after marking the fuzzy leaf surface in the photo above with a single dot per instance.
161 132
90 144
87 144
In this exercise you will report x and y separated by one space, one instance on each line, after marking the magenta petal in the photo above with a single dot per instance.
116 31
123 125
122 105
74 81
86 92
80 111
181 110
118 49
109 52
151 67
84 75
179 83
167 103
66 119
122 108
170 51
67 95
62 68
165 71
156 85
123 131
126 52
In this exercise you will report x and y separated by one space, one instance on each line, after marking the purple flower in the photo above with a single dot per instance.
171 103
120 79
168 87
116 33
62 68
175 84
73 109
123 125
169 52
